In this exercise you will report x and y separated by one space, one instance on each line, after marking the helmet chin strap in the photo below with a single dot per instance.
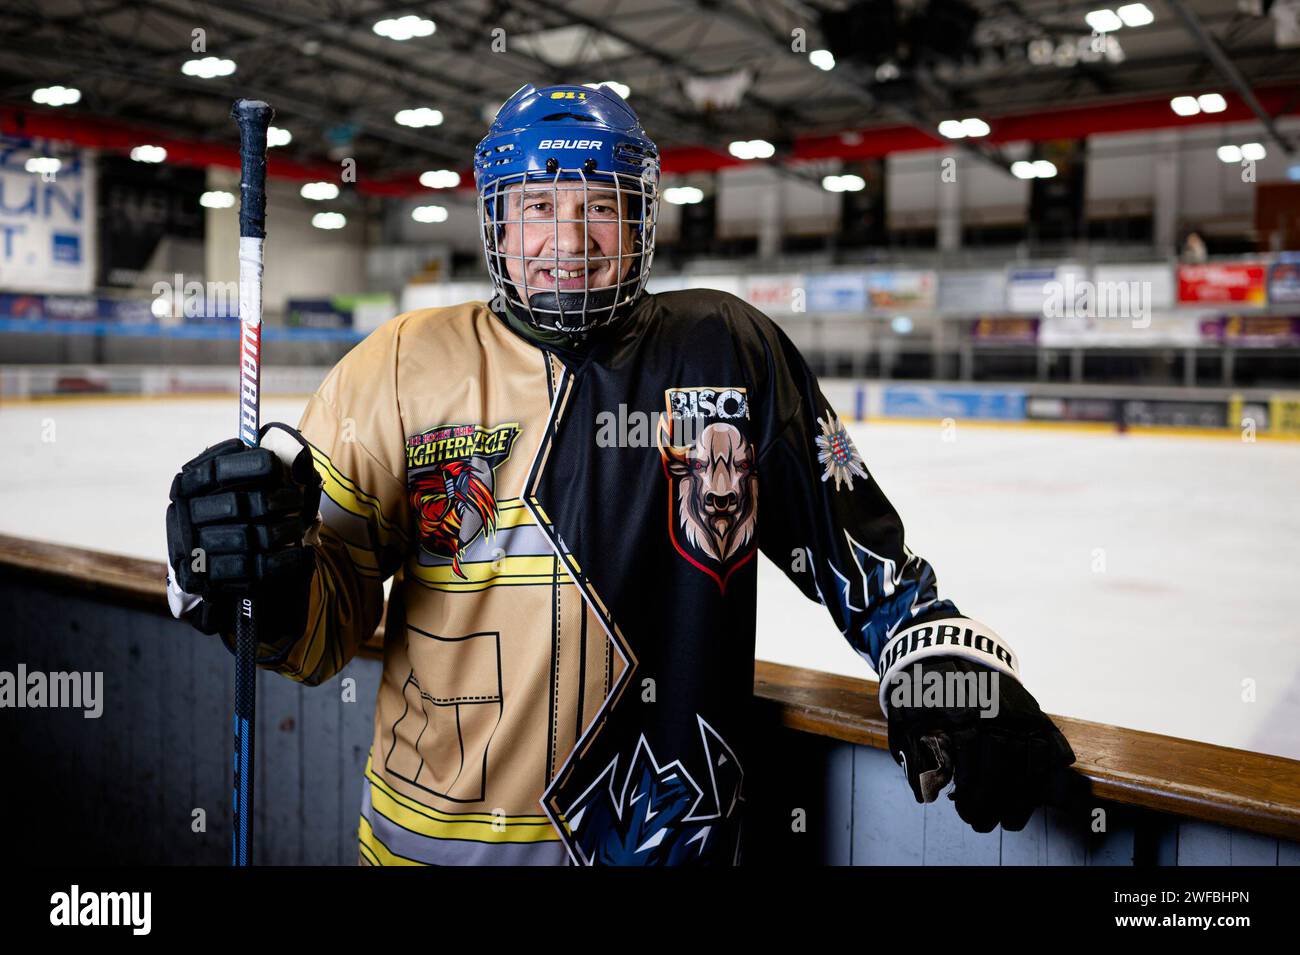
550 310
579 305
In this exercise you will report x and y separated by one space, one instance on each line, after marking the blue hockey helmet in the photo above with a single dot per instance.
568 139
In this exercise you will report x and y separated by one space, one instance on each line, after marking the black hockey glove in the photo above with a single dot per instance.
1004 766
241 523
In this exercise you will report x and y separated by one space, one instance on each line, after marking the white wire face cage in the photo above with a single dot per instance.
559 303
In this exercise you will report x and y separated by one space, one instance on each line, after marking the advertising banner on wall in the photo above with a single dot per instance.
1222 283
1047 408
1284 280
1176 414
1252 331
73 308
901 289
1121 331
837 292
932 401
776 294
318 313
1012 330
1284 414
364 313
1034 290
971 293
1153 281
47 218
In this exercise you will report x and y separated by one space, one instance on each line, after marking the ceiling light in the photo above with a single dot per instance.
1212 102
429 214
952 128
43 165
329 220
822 59
1044 169
148 154
440 179
844 183
1229 153
216 200
275 136
683 195
1023 170
208 67
975 127
1185 105
752 149
319 191
404 28
1253 151
1103 21
1136 14
418 118
56 95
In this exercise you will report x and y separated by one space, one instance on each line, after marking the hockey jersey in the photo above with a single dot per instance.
572 535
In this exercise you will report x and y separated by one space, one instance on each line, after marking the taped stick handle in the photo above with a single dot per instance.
254 119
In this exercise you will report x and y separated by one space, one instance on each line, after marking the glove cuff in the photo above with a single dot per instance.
946 637
178 601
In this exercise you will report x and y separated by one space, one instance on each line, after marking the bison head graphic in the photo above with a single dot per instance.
717 494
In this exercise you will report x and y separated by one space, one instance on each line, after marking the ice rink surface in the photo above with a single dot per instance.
1151 582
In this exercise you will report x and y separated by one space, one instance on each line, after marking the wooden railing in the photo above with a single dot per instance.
1218 784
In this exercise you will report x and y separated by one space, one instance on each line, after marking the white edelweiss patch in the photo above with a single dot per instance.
837 454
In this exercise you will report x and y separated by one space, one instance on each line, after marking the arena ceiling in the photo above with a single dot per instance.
337 85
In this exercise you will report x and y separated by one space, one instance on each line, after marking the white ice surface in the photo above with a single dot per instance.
1142 580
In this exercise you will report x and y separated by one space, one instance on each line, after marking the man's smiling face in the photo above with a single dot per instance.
550 230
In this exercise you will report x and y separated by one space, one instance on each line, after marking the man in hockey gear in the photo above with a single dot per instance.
569 642
242 522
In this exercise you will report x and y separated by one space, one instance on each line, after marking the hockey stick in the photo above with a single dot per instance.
253 117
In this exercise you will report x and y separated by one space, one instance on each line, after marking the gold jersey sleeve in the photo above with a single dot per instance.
354 429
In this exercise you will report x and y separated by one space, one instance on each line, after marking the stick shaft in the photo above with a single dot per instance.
253 118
